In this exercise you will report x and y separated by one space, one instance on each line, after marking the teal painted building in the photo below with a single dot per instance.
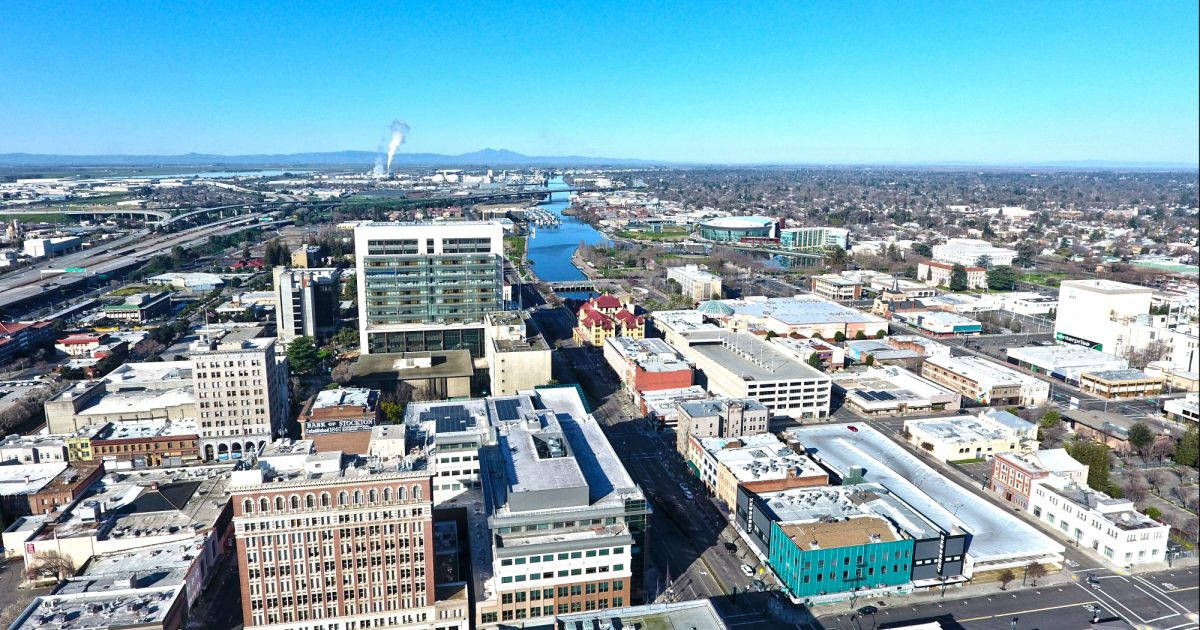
806 571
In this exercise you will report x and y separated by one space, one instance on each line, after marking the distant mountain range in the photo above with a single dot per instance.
505 157
362 159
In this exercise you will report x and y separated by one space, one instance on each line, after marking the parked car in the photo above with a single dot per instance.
748 570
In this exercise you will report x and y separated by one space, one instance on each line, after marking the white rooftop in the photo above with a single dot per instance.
997 535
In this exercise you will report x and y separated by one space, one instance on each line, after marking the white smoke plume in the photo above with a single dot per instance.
399 130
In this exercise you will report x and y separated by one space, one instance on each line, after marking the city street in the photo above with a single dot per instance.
1159 600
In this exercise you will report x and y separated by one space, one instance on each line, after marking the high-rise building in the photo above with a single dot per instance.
241 393
426 285
329 540
306 302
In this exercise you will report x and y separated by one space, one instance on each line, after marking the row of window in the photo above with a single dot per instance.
344 498
546 611
590 553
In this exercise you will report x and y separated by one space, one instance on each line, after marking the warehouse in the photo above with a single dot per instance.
1065 363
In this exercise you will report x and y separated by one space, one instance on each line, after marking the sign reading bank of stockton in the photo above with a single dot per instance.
325 427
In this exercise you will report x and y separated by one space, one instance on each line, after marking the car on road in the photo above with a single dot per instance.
758 585
868 610
852 428
1092 579
689 495
748 570
731 547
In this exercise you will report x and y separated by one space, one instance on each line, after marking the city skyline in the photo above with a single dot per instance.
797 85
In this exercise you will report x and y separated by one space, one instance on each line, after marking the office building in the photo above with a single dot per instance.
1185 410
891 390
1093 313
719 418
826 544
340 419
306 256
695 282
814 238
306 303
969 251
832 286
1113 528
329 537
965 438
566 527
939 274
741 365
241 393
756 463
985 382
48 247
1013 474
646 364
1127 383
517 353
425 286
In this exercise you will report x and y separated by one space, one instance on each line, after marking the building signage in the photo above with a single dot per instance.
1077 341
324 427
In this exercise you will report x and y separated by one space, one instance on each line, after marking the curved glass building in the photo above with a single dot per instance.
734 229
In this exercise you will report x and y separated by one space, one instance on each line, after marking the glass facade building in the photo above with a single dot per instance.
422 284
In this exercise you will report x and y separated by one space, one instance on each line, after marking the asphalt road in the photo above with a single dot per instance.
1165 601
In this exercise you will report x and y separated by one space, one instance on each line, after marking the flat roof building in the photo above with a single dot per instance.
647 364
889 390
1064 362
965 438
999 540
758 463
1126 383
985 382
968 251
340 419
696 283
1114 528
741 365
806 315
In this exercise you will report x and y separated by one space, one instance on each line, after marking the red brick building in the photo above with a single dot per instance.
647 364
65 487
333 541
340 419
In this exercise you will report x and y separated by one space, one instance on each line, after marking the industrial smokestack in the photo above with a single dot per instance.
399 130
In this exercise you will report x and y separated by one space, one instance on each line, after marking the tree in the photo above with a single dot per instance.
814 360
839 336
835 257
1140 438
860 335
984 261
673 287
50 564
1153 512
958 278
1095 455
1002 278
1026 252
1034 572
302 356
1006 577
922 249
393 411
870 360
1188 449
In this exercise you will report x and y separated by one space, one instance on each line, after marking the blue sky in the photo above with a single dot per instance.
995 82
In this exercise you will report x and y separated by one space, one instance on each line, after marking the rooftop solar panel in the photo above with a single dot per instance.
507 409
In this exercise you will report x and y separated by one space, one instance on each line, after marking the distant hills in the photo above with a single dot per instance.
362 159
506 158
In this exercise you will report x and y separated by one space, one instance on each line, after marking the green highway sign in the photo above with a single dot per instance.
75 270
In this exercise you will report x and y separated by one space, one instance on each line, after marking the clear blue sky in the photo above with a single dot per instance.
800 81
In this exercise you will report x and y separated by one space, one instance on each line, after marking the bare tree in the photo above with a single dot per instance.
50 564
1154 351
1034 572
1006 577
341 372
